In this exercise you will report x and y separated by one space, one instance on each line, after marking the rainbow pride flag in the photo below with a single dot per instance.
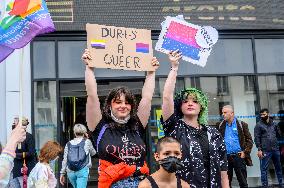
98 44
20 22
141 47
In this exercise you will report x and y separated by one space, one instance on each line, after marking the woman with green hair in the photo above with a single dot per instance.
185 118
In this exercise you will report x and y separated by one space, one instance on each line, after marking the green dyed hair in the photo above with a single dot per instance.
201 99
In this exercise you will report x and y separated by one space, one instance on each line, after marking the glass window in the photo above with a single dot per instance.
45 112
43 59
269 55
271 93
195 82
69 59
280 82
228 56
42 92
222 85
249 83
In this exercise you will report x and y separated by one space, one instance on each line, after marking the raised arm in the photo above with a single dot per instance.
8 154
93 111
169 88
144 108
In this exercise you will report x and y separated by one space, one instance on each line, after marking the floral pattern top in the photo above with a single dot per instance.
6 166
194 171
42 176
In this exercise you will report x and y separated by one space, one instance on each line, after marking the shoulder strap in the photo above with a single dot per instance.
178 182
101 135
221 124
152 181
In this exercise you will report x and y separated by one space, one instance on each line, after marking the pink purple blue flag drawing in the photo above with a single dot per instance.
20 22
193 41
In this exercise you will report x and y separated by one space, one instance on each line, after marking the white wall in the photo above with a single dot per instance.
10 90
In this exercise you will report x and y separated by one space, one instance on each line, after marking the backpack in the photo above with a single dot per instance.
77 157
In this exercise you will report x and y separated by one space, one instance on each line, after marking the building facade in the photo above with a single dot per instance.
245 68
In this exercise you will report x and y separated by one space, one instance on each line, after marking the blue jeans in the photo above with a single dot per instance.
79 179
264 162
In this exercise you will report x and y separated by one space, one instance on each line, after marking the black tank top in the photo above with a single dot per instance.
154 184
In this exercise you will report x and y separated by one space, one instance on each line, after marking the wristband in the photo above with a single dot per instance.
9 152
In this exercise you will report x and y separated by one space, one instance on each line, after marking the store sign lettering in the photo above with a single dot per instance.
217 9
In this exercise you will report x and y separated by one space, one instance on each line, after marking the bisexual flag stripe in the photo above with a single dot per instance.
141 47
182 33
189 51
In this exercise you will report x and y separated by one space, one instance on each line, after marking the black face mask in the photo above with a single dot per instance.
171 164
264 118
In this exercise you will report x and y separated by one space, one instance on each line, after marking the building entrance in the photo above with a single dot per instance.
73 99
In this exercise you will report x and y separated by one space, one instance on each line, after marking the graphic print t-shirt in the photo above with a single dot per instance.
121 144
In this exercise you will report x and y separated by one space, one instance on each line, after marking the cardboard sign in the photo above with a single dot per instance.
119 47
195 42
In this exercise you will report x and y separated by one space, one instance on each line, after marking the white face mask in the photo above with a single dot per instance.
119 121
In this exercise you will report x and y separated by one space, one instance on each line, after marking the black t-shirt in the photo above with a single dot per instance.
204 144
202 138
121 144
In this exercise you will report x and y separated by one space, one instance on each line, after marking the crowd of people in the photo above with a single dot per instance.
192 153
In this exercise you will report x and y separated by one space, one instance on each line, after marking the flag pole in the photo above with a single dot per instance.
21 77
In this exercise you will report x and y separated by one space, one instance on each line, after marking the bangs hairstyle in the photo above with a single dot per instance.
163 141
201 99
115 94
49 151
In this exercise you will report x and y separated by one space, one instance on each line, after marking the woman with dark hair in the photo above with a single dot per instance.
185 118
118 130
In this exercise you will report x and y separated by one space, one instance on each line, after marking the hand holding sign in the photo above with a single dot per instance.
195 42
174 57
119 47
86 57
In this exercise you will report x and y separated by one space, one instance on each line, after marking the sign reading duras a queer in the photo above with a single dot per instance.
119 47
193 41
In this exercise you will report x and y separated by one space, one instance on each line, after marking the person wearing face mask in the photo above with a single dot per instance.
42 176
184 117
168 156
266 133
118 130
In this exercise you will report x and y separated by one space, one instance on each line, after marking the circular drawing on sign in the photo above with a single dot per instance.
206 36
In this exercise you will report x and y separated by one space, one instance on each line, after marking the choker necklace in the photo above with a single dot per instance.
195 127
119 121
